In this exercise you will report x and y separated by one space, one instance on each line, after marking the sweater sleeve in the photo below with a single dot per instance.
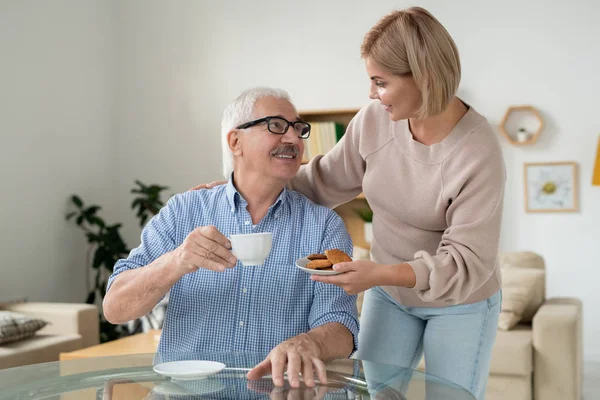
466 257
336 177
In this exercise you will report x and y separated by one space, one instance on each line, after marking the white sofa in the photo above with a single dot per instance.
71 327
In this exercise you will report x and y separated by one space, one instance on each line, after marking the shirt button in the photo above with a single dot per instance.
244 290
247 222
241 323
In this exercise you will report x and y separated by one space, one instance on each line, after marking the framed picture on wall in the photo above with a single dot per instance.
551 187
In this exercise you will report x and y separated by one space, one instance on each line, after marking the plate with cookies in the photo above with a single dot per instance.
321 264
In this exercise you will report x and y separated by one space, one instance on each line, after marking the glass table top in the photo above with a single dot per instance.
133 377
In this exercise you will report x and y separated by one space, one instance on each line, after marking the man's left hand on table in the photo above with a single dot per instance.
300 354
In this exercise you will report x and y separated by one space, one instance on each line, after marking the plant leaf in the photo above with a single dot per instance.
136 202
366 214
91 299
93 210
97 221
92 237
75 199
99 257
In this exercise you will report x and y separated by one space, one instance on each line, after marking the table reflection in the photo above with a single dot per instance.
133 377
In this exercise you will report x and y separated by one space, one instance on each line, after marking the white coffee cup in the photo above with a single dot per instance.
252 248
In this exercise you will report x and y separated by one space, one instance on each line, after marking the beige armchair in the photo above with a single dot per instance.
542 357
71 327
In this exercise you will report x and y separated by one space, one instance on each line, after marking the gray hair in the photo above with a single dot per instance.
240 111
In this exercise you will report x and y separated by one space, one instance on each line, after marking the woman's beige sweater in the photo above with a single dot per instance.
436 207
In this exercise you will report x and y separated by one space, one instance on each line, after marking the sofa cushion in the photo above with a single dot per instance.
15 326
37 349
526 260
513 352
509 387
520 288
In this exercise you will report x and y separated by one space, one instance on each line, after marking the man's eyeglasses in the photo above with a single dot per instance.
279 126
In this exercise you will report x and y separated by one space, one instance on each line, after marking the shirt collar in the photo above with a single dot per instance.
234 197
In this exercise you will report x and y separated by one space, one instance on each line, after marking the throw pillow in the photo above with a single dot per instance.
514 301
518 291
15 326
528 260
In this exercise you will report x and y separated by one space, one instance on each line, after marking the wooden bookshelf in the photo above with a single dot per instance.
347 211
341 116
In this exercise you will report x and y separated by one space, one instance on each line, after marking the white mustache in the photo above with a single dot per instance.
286 149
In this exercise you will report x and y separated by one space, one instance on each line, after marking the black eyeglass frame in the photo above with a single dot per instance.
268 121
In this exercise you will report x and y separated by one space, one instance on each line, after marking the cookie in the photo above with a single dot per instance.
337 256
319 264
317 257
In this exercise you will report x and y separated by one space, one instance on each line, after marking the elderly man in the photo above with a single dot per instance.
217 305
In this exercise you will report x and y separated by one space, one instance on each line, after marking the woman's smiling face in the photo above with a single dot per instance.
399 95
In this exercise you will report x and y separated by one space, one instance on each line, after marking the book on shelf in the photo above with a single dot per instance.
323 136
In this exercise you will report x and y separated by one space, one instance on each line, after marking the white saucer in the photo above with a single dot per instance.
301 263
188 369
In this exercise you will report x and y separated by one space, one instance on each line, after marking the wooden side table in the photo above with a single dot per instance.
140 343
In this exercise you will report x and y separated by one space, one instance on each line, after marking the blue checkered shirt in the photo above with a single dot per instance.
254 308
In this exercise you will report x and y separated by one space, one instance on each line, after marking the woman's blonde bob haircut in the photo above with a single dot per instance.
412 41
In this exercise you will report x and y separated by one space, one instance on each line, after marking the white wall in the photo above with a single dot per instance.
56 138
182 62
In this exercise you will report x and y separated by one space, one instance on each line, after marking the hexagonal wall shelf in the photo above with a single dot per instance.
513 137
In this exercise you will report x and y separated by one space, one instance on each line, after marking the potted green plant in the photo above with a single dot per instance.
106 246
366 214
522 135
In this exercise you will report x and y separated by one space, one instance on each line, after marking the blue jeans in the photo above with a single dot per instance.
457 340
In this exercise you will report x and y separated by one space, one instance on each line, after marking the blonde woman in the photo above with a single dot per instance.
432 171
